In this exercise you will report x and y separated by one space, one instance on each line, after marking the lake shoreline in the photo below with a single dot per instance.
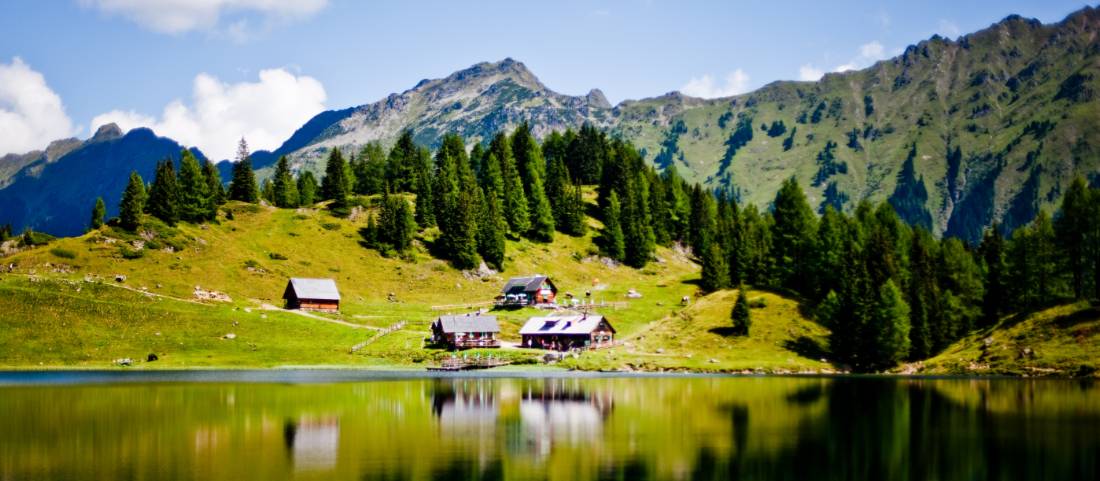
14 377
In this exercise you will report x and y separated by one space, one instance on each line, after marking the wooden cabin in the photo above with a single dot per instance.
528 291
566 332
466 331
312 294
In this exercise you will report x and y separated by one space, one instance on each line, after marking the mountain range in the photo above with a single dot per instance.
956 134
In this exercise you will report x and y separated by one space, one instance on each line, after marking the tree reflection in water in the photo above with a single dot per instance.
565 429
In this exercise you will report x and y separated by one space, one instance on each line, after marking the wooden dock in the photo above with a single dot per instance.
460 364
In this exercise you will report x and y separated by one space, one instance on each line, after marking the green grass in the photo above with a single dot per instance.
1060 341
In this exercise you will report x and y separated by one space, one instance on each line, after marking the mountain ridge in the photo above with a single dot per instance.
993 124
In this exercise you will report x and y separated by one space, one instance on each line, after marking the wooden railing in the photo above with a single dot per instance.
472 343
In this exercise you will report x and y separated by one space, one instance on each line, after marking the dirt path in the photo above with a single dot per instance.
269 307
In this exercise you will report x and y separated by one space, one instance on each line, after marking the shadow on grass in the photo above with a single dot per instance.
807 347
1087 314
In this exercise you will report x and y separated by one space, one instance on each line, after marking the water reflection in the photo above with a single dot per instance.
556 429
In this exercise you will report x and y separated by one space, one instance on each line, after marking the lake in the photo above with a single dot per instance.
271 425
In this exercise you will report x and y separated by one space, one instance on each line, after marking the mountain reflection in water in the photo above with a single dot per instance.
570 429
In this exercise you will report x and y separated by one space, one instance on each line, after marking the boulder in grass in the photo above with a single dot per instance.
124 361
151 357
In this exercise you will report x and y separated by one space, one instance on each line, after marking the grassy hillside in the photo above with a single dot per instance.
62 304
1060 341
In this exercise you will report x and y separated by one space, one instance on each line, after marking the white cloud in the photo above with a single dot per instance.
868 54
736 82
948 29
178 16
31 114
809 73
265 113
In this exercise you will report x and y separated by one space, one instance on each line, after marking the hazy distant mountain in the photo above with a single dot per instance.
57 196
956 133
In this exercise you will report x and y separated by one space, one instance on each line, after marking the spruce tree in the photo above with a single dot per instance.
132 204
194 193
542 219
334 186
1072 227
425 211
370 170
164 195
923 295
285 190
243 186
574 221
396 226
214 188
792 235
490 241
267 191
403 163
99 211
612 234
515 200
889 329
307 189
715 273
741 315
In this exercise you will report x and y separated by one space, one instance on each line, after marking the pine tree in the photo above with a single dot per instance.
194 193
890 329
574 216
132 204
637 224
403 163
99 211
715 273
214 187
307 189
334 186
1072 228
741 315
425 210
244 187
396 226
542 218
995 298
267 191
612 234
370 170
285 190
792 235
490 242
514 198
164 195
923 295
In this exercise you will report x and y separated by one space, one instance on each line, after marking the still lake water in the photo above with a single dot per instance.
337 425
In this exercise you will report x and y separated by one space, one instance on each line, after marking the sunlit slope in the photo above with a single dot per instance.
1060 341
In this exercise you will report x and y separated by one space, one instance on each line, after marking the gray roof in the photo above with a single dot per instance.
517 285
569 324
468 323
322 289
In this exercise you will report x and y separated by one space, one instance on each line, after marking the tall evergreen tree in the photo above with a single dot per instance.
542 218
923 295
612 234
890 328
194 193
99 211
307 188
516 209
396 226
164 195
403 164
741 315
1072 228
370 170
586 155
490 242
285 189
243 186
334 186
267 191
996 297
132 204
792 235
574 218
214 187
715 273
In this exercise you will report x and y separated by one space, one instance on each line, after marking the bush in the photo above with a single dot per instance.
275 256
330 226
758 303
31 238
63 253
130 254
253 264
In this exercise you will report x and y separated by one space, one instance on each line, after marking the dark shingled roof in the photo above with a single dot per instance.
468 323
519 285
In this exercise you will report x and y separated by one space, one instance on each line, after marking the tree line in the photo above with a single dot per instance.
889 291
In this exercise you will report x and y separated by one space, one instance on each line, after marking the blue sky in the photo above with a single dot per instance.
194 72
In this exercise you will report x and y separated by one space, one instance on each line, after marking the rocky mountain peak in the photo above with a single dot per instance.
596 98
106 132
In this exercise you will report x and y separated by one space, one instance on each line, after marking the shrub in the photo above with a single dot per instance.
251 263
130 254
330 226
63 253
275 256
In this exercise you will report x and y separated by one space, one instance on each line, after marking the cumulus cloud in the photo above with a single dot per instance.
735 82
809 73
178 16
868 54
31 113
264 112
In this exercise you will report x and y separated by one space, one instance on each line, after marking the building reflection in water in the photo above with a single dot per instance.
312 442
562 411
